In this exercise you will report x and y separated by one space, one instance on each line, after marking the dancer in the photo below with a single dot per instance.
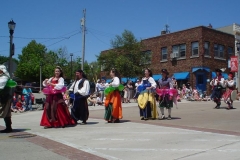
6 95
113 105
80 92
146 98
55 112
166 94
217 84
230 94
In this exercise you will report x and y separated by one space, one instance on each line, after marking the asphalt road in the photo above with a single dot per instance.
197 131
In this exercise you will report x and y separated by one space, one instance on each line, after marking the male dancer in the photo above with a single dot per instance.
217 83
80 89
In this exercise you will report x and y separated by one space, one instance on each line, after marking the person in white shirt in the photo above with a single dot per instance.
230 87
113 110
217 86
80 92
146 99
166 100
5 99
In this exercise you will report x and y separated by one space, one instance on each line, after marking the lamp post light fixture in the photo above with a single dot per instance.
71 54
11 26
238 72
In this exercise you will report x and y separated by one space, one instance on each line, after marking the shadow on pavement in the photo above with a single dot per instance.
20 130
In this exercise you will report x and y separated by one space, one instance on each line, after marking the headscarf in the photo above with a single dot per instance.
4 69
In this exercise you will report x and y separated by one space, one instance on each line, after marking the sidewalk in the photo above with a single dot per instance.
197 131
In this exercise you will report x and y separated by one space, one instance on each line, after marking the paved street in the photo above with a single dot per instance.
196 132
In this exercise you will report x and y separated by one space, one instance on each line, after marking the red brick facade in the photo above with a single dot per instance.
199 34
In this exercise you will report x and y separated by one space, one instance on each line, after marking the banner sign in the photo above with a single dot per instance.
234 63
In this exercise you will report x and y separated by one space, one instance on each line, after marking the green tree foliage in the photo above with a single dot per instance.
126 56
29 61
36 54
4 59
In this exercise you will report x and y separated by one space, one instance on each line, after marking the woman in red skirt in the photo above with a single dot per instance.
56 113
230 87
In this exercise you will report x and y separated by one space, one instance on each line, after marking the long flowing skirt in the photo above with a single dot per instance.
113 106
56 113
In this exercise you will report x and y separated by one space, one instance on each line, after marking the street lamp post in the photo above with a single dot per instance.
238 72
11 26
40 64
92 73
71 54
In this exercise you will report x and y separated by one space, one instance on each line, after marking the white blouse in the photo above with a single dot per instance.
150 80
58 86
84 90
229 83
115 82
3 80
214 82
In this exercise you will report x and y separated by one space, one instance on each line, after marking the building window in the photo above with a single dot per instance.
146 57
230 50
182 49
218 51
206 48
179 50
164 53
195 49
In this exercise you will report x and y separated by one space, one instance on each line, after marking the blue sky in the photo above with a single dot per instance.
44 19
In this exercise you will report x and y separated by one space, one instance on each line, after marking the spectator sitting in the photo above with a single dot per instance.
179 95
13 108
66 98
205 97
91 100
99 101
19 105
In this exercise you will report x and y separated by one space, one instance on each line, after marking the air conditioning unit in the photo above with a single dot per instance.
174 55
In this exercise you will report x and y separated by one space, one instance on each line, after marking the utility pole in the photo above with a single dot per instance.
83 20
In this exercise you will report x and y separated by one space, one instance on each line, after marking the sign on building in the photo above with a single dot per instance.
234 63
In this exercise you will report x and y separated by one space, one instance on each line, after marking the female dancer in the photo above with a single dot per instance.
229 84
146 98
166 94
56 113
113 105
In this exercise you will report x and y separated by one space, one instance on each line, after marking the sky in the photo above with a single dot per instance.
56 23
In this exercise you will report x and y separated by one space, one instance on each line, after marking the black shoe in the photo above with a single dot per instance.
109 121
169 117
7 130
46 127
142 118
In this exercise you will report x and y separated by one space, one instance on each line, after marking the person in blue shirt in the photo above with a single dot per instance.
27 97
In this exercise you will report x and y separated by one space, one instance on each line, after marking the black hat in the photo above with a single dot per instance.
165 71
218 70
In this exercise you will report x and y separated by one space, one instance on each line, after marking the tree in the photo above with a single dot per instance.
126 56
29 61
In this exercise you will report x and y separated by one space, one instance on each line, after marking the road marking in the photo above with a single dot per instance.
120 139
166 150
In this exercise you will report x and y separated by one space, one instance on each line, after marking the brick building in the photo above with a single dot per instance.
190 55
